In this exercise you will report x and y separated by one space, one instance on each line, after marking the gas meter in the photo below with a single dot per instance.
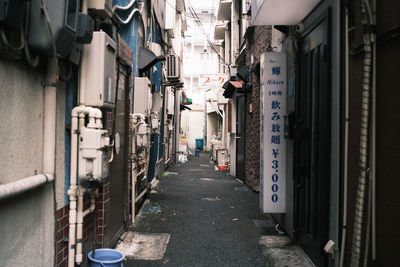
94 146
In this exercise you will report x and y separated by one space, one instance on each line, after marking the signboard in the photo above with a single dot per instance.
182 144
273 144
212 80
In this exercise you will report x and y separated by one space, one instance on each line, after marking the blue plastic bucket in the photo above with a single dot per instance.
106 257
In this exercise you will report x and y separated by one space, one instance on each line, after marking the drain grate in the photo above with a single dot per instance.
151 209
241 189
262 223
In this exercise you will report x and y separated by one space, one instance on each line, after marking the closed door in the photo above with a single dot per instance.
119 200
240 137
312 145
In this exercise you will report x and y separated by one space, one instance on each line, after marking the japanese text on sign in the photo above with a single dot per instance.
273 102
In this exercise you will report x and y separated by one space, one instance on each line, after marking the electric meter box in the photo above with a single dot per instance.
142 101
100 60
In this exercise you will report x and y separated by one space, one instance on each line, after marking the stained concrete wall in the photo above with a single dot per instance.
257 44
26 221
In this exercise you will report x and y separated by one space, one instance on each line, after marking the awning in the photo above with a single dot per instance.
147 59
185 100
231 87
282 12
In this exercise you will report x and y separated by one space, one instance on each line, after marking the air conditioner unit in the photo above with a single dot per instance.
102 8
173 67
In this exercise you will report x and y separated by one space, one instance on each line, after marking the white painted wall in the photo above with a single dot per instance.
192 125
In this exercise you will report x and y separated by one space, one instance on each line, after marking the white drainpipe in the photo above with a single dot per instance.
79 225
49 140
76 215
80 215
95 116
72 192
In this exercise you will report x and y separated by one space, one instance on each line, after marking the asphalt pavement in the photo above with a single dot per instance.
197 216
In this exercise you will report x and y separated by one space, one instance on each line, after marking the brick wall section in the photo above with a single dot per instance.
125 52
103 212
62 217
257 43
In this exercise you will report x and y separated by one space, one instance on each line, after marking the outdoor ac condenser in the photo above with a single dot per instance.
173 67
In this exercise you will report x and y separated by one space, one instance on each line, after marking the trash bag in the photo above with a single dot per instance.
182 158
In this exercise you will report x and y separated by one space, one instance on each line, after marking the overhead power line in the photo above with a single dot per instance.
197 20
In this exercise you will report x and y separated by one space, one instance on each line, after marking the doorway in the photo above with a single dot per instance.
240 137
312 143
119 199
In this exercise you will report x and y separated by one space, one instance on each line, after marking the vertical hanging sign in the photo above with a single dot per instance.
273 144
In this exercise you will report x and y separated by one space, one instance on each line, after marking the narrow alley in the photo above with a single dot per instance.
199 133
202 217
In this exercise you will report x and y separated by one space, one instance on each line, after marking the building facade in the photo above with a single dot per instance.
336 173
61 193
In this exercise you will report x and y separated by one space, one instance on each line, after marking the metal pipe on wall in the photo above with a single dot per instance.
346 141
373 142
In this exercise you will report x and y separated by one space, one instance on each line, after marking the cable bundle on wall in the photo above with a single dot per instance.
369 39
